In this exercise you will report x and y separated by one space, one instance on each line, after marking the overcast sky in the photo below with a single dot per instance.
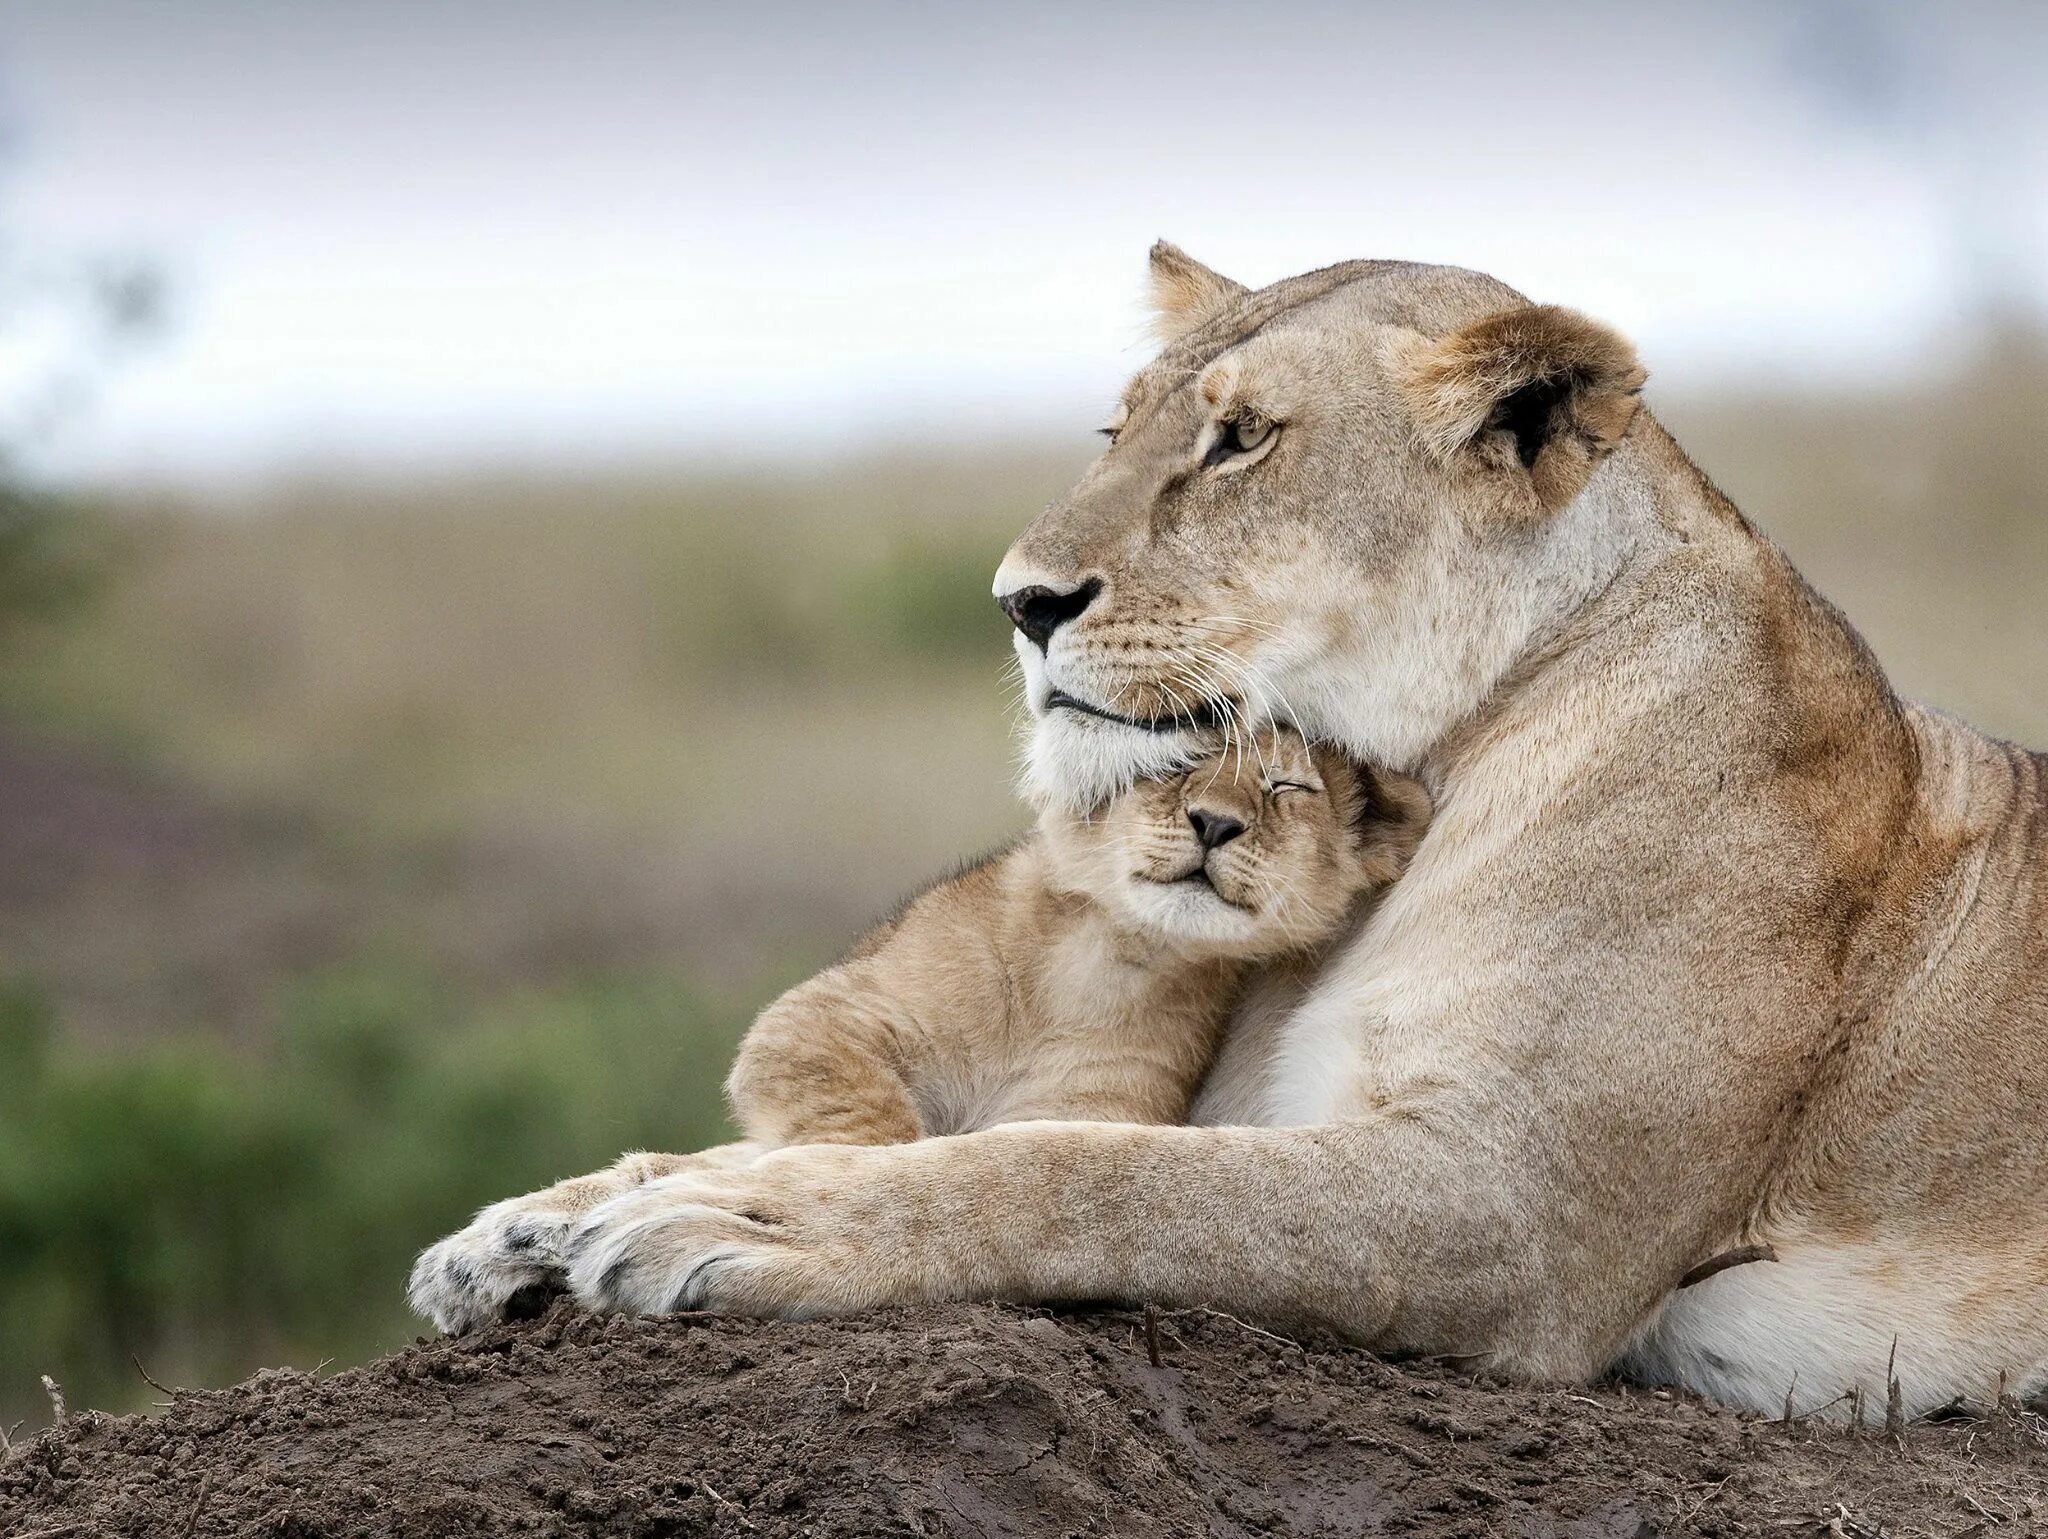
398 231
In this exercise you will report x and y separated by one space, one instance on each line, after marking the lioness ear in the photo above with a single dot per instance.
1540 392
1185 294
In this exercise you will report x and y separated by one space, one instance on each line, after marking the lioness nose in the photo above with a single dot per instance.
1038 611
1214 829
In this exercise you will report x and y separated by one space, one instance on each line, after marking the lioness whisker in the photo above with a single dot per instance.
1245 680
1252 681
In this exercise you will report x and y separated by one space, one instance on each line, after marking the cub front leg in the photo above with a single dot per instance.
510 1259
827 1063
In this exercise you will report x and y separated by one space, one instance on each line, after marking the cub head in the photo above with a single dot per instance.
1257 848
1350 501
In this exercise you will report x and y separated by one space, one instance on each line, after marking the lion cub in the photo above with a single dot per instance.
1086 972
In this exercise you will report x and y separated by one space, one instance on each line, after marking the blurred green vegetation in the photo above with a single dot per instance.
927 597
205 1209
50 559
428 654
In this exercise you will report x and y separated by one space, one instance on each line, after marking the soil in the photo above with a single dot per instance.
985 1421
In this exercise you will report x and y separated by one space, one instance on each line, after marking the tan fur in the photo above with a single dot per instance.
1456 385
1712 939
1186 295
1087 973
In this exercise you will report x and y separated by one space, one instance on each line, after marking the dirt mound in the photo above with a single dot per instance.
977 1420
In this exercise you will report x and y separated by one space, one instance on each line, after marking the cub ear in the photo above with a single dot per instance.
1388 818
1185 294
1540 393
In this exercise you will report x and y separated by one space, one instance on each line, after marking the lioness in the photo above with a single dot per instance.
1087 971
1713 939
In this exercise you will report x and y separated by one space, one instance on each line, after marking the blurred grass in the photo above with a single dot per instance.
207 1211
422 656
50 558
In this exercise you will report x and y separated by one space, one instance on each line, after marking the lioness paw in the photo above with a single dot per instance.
762 1241
506 1264
656 1251
512 1259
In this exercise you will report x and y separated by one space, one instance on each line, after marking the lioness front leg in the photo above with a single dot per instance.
1357 1227
1041 1210
509 1260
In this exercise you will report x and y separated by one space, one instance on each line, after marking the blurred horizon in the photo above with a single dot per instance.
398 236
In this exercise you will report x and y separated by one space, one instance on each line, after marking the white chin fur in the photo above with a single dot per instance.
1074 762
1189 913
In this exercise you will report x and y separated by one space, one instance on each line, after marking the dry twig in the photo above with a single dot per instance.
1217 1314
737 1510
198 1502
1742 1255
152 1382
1894 1397
1826 1405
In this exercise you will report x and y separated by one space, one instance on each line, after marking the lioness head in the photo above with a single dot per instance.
1261 846
1350 501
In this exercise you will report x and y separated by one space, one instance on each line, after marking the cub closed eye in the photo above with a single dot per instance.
1279 786
1238 438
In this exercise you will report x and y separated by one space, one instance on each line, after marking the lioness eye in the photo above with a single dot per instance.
1240 435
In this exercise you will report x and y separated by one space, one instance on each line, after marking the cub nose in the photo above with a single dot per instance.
1214 829
1038 611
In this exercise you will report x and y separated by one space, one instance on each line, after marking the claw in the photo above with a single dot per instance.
532 1301
685 1296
